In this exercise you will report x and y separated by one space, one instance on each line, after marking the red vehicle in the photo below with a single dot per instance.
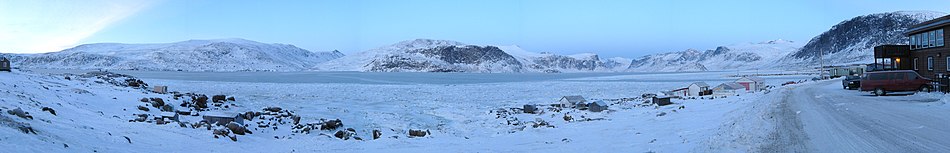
881 82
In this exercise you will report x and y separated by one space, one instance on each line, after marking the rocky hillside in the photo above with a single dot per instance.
192 55
729 57
427 55
853 40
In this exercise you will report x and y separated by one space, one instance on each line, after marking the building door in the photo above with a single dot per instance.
746 85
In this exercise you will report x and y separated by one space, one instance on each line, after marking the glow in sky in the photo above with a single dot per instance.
611 28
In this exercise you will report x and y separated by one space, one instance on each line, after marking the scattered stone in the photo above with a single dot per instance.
143 100
568 118
50 110
377 134
218 98
236 129
682 107
661 114
143 108
127 139
160 121
417 133
231 99
233 138
26 129
157 102
20 113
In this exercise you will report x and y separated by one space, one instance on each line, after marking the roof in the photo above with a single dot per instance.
4 59
753 78
700 84
600 103
927 25
574 98
891 71
730 86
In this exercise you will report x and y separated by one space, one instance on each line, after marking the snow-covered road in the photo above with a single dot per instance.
822 117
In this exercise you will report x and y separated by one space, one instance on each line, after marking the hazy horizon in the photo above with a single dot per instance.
608 28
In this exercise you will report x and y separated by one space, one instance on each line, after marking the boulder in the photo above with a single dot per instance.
143 100
417 133
201 101
230 98
168 108
236 129
530 109
296 119
157 102
331 124
50 110
345 135
273 109
223 132
20 113
143 108
218 98
377 134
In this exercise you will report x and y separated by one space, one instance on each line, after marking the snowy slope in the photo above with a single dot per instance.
192 55
852 41
741 56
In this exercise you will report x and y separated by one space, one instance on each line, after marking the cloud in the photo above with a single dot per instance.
50 25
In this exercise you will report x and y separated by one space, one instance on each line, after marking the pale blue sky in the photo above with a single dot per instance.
610 28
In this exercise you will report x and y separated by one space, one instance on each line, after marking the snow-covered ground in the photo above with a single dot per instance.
461 115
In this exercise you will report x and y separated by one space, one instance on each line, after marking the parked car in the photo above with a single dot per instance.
881 82
851 82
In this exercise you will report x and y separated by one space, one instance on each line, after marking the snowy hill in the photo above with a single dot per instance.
853 40
427 55
191 55
740 56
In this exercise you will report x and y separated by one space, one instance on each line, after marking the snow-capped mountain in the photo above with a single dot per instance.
427 55
549 62
853 40
191 55
729 57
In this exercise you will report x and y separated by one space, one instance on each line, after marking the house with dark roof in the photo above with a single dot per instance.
4 64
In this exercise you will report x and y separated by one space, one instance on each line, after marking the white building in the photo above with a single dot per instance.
728 88
697 89
751 83
572 101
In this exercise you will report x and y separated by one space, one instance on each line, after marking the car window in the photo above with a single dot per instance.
911 76
881 76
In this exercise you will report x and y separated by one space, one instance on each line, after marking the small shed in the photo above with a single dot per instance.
572 101
170 116
698 89
662 101
160 89
597 106
728 88
4 64
751 83
221 118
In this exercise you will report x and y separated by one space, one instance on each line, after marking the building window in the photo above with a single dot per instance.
926 42
933 39
940 37
913 42
930 63
948 63
915 63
